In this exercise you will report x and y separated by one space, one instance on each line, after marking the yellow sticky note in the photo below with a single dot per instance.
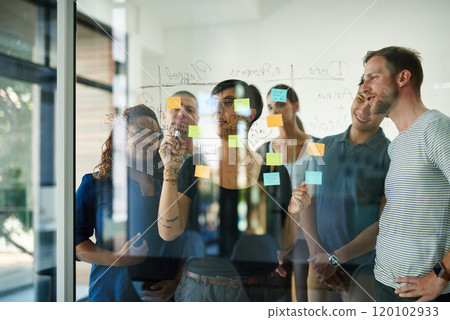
195 132
273 159
173 102
233 141
316 149
241 104
202 171
275 120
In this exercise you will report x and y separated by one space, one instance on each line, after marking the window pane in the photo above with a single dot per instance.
94 57
16 231
236 151
27 185
21 36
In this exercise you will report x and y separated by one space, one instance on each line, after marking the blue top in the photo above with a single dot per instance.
348 200
93 209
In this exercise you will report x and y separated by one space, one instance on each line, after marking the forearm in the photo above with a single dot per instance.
446 262
170 222
289 234
87 251
309 227
362 244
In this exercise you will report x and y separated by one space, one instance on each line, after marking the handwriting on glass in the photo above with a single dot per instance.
198 71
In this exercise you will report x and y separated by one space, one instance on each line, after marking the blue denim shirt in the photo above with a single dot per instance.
348 200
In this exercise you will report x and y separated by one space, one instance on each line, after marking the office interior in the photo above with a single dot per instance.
68 69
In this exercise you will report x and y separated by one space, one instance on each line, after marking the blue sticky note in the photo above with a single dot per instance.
313 177
278 95
271 179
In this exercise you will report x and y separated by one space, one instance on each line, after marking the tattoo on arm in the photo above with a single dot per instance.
173 220
167 227
172 181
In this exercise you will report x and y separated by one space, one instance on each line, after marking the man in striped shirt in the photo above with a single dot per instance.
414 228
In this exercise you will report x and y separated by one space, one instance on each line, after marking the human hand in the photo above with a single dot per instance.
427 287
172 151
300 199
129 254
161 291
335 280
324 270
280 270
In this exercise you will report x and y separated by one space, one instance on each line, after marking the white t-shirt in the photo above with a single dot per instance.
415 223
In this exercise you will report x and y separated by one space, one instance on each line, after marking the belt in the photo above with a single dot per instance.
229 282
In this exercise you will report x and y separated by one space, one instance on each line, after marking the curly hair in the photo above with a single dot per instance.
104 167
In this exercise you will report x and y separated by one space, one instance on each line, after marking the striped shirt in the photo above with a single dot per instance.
415 223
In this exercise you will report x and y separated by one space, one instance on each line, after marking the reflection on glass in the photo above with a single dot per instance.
242 258
16 192
94 55
119 202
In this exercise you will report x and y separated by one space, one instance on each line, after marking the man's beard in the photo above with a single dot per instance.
386 101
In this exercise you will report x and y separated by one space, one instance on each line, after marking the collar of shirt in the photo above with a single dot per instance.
372 143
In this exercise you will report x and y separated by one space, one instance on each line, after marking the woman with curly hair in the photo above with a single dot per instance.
145 257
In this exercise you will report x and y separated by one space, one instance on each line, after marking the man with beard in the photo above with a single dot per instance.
180 119
414 233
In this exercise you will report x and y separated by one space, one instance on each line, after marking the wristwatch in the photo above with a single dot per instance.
440 271
333 261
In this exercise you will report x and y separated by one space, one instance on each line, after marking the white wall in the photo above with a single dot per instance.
317 37
323 40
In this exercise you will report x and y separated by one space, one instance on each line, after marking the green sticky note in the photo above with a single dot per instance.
313 177
271 178
233 141
241 105
195 132
273 159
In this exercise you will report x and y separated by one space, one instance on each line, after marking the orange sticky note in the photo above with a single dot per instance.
202 171
316 149
275 120
173 102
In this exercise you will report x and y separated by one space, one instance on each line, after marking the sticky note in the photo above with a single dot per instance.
313 177
173 102
233 141
195 132
202 171
278 95
271 178
316 149
241 104
273 159
275 120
